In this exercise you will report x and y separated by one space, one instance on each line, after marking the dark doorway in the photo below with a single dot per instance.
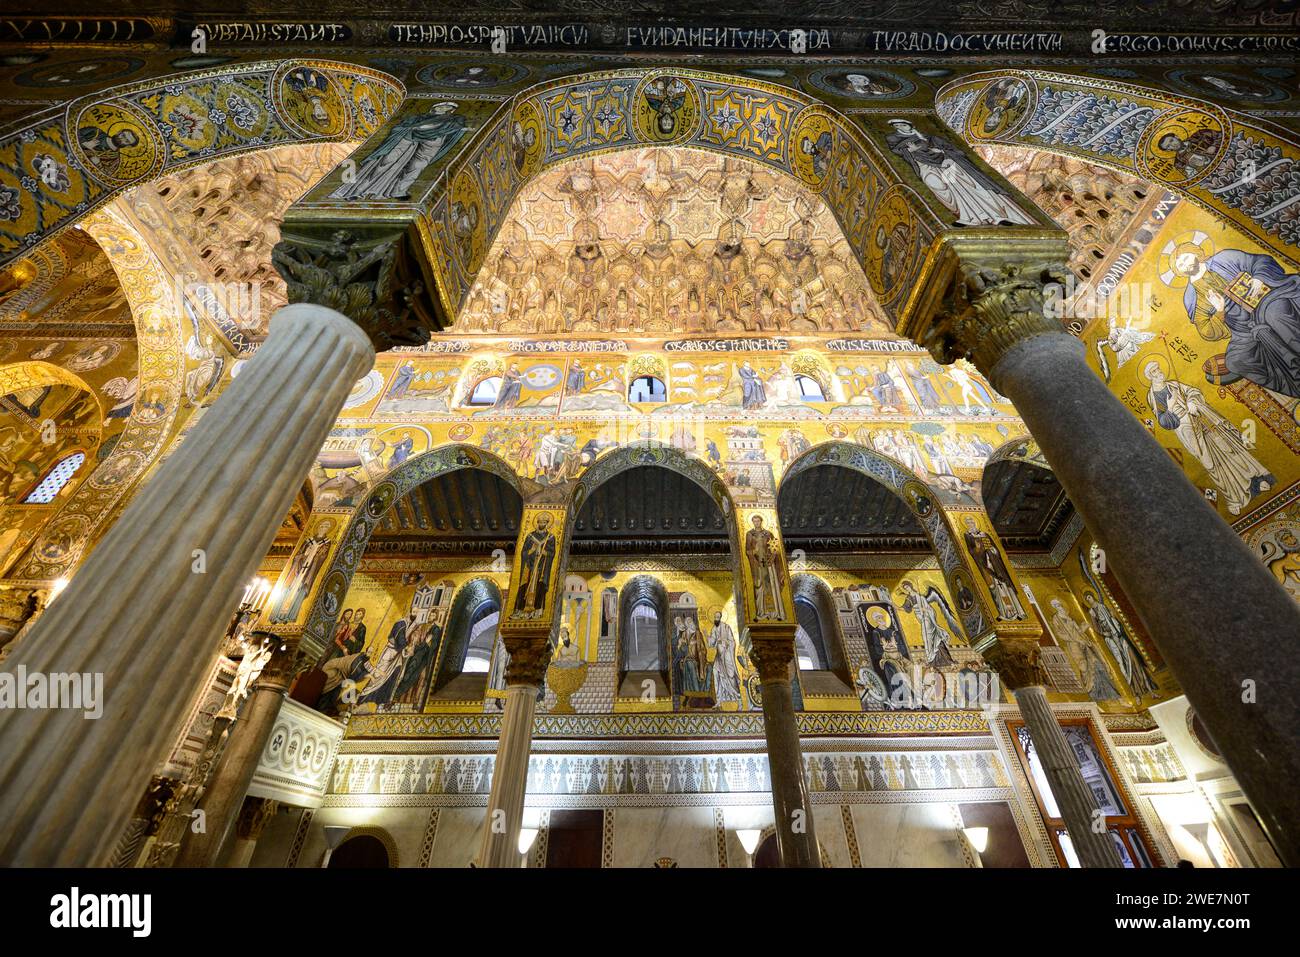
364 850
573 838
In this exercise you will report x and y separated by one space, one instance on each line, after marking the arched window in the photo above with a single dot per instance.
810 641
471 634
642 638
647 388
819 639
485 393
364 850
55 479
810 390
482 636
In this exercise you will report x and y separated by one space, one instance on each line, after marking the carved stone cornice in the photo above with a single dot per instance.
372 281
530 656
1015 659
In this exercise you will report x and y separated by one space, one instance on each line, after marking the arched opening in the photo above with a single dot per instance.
643 654
893 637
485 391
647 388
1094 643
810 390
362 851
465 664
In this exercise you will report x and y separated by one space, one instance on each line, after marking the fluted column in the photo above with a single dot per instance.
773 655
226 789
1219 619
529 657
1016 662
148 608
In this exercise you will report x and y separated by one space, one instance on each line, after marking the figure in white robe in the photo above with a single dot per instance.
953 178
726 677
410 147
926 609
1209 437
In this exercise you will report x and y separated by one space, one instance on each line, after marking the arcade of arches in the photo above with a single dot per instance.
448 458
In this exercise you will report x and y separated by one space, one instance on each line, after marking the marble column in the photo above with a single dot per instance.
1074 799
1218 617
529 657
252 820
146 611
1016 662
226 789
773 655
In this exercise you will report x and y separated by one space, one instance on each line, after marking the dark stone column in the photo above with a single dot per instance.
795 836
1220 620
1073 797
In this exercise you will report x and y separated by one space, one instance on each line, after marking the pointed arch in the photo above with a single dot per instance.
977 620
1242 168
365 517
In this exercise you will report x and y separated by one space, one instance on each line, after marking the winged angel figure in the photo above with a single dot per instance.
666 96
1124 343
361 283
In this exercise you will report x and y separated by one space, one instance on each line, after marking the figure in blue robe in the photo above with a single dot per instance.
402 380
577 380
401 451
1252 300
753 394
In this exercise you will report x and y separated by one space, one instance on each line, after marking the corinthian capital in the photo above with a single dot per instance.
989 309
530 656
1015 659
772 651
373 282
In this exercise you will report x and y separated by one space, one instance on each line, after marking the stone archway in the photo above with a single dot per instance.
320 620
1238 167
977 620
379 263
176 122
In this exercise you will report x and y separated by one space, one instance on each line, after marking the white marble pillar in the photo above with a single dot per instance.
505 811
147 610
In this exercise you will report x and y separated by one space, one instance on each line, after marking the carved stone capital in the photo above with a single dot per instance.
288 661
374 282
772 653
988 310
1015 659
18 606
530 656
254 814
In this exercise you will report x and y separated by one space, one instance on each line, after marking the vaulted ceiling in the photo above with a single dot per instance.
669 240
649 509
